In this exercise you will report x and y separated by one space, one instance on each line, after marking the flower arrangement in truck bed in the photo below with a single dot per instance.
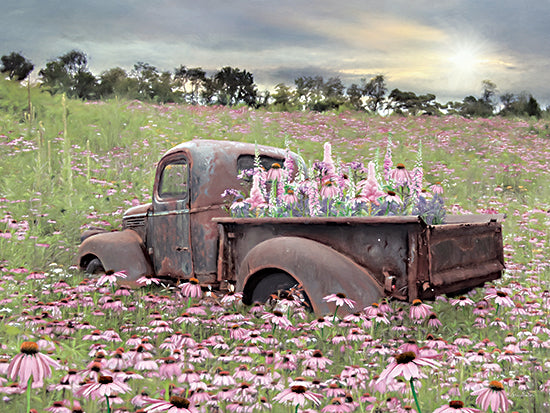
329 189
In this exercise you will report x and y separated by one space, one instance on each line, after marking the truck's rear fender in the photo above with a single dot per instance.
319 269
117 251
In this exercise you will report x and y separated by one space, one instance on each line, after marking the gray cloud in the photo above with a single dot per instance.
416 45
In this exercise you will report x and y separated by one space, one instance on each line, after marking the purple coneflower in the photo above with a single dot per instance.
31 363
192 288
419 311
147 279
455 406
275 173
298 395
400 175
492 396
104 387
176 404
339 299
110 277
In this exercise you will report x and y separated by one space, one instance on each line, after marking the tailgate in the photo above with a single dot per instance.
464 254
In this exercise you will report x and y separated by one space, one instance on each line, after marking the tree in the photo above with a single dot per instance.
69 74
283 97
375 90
16 66
195 77
521 105
489 91
471 107
232 86
355 96
409 103
146 75
114 82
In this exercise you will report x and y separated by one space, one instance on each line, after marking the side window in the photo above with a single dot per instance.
174 180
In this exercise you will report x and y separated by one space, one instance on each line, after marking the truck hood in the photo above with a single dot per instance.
138 210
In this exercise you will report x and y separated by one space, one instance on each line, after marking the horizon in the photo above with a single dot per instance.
445 49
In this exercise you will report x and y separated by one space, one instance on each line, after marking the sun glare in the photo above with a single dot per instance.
464 60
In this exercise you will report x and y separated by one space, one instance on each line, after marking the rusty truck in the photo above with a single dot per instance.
186 231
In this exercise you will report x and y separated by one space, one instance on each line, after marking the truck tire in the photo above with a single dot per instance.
95 267
274 284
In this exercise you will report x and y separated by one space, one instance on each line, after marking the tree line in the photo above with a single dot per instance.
231 86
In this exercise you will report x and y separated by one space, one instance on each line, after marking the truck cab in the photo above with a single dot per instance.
174 236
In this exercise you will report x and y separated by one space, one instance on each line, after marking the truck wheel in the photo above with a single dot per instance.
95 267
275 284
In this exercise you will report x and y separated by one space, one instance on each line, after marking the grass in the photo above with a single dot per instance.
54 184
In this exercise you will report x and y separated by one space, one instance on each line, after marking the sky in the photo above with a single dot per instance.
445 47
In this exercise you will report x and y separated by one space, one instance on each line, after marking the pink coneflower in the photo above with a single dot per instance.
275 173
31 363
433 321
391 196
337 405
191 289
492 396
147 279
288 196
419 310
110 277
105 386
339 299
501 298
400 175
176 404
316 361
461 301
407 365
298 395
329 189
277 318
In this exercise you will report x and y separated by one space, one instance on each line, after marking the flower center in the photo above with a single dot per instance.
416 302
276 165
496 385
502 294
405 357
400 166
298 389
341 295
29 347
193 281
456 404
179 402
105 380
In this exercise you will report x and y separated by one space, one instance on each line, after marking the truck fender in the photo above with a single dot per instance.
117 251
319 269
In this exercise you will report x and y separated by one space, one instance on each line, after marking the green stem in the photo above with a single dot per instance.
334 317
414 395
29 384
108 405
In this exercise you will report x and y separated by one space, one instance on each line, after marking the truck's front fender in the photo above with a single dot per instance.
320 270
117 251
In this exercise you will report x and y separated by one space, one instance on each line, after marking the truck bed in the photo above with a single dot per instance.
407 258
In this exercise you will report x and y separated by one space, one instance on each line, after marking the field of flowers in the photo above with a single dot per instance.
70 343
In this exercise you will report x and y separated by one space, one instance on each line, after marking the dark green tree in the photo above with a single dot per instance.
355 96
232 86
402 103
69 74
283 98
16 66
375 90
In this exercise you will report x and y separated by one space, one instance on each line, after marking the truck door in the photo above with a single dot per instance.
169 220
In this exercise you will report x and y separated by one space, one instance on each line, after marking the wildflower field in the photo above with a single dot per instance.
73 343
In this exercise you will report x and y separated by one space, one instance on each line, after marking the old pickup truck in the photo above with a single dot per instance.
187 232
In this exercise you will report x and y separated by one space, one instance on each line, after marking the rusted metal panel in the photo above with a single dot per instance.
407 259
319 269
108 247
463 256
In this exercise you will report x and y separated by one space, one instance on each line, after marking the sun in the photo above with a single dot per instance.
464 60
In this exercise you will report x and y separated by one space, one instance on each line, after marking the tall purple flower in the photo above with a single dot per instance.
31 363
